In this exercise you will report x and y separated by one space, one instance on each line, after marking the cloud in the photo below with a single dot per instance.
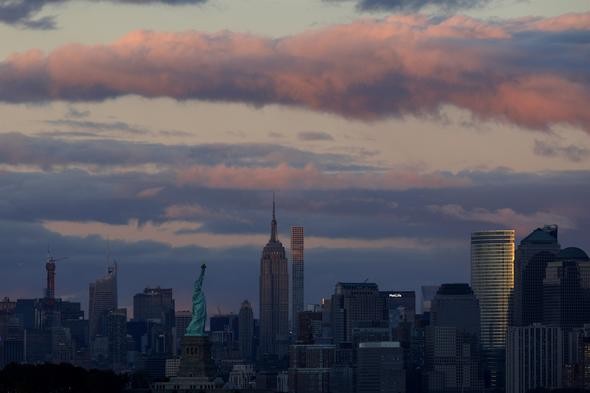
504 217
369 69
285 177
314 136
570 152
22 12
416 5
21 150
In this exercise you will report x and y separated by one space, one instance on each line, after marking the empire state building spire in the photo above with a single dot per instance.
273 225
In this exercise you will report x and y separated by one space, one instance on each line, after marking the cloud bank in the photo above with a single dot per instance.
416 5
23 12
369 69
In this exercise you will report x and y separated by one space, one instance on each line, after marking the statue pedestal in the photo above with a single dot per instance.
195 360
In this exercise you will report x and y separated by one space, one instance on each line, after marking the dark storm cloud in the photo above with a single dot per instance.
23 12
369 69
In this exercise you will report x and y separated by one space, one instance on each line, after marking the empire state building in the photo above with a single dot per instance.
274 296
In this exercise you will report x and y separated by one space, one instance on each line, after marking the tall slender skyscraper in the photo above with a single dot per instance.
274 296
297 275
492 280
102 299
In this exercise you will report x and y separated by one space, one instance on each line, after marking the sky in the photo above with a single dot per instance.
389 129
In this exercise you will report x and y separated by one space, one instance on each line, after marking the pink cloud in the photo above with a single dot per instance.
368 69
309 177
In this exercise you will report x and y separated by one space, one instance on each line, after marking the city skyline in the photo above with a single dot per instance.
384 148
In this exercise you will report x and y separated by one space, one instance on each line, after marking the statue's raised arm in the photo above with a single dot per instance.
197 325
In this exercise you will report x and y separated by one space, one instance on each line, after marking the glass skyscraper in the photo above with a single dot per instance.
492 280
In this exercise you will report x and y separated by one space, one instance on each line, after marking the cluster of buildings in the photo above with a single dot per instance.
523 322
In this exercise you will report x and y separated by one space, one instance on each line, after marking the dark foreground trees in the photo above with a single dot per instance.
58 378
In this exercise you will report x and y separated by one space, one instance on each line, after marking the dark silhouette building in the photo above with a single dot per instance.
566 290
274 297
452 359
246 331
352 305
530 261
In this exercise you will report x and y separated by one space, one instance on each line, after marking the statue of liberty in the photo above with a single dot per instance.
197 325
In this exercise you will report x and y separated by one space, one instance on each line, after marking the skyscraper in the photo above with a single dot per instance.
530 260
566 290
355 305
156 305
297 275
381 368
246 327
274 296
102 299
452 342
534 358
492 280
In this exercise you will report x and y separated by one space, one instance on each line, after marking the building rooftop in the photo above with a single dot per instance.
455 289
572 253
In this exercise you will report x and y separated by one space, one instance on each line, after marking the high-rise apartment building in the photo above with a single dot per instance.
530 261
246 329
274 296
297 274
534 358
102 300
492 280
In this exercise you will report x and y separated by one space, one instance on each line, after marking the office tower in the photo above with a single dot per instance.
156 305
452 358
352 304
309 326
380 368
297 275
12 338
102 300
183 319
225 323
428 293
566 290
246 328
116 331
577 368
530 260
534 358
492 280
455 305
241 377
309 368
399 306
274 296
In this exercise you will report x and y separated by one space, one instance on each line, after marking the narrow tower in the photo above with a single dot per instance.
297 275
50 267
274 296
